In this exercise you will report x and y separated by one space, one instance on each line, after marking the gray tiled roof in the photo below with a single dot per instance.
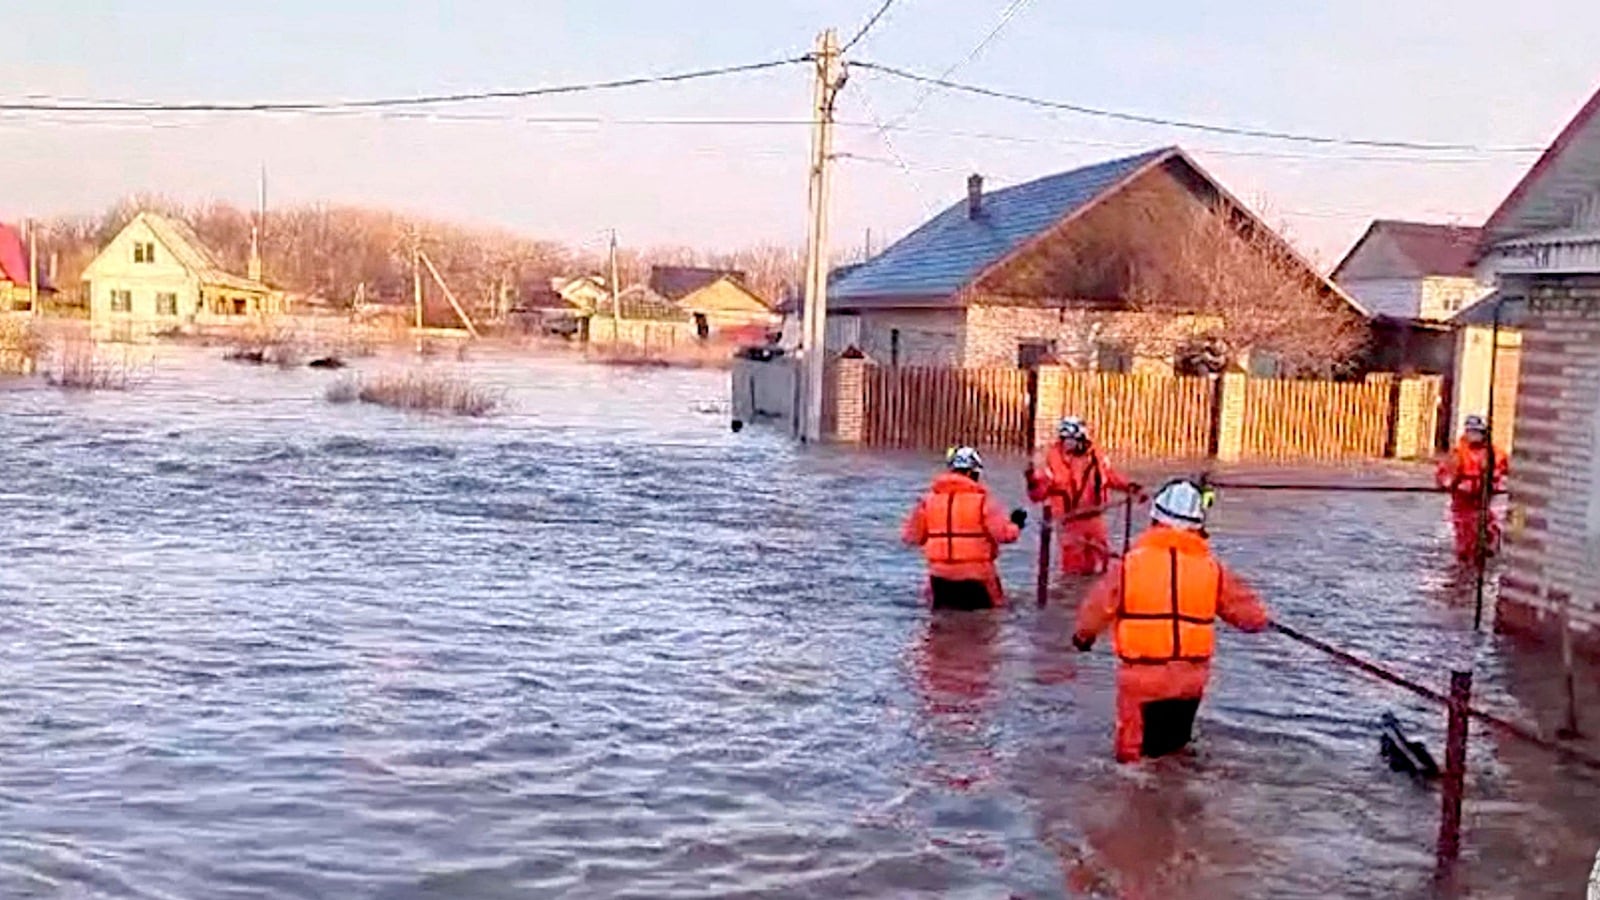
950 250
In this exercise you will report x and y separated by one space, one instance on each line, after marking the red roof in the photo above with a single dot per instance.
13 255
1393 249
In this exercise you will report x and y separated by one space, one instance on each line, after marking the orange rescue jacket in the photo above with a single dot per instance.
1463 470
958 524
1170 591
1071 483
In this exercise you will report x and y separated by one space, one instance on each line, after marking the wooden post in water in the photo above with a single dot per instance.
1453 785
1043 585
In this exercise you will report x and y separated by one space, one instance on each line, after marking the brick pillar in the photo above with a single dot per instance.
849 384
1230 417
1047 405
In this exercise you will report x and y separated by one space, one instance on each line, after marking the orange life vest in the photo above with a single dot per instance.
956 530
1169 602
1084 476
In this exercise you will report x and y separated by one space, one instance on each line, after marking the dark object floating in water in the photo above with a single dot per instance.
737 426
255 357
327 362
1404 754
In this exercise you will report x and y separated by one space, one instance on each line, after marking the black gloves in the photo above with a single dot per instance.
1083 643
1019 517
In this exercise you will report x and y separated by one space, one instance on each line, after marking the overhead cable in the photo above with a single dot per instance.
388 102
1119 115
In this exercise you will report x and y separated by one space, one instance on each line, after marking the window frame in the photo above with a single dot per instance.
121 300
167 303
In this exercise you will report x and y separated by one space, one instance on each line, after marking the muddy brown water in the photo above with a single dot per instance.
256 645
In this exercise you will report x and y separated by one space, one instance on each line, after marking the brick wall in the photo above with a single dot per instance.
1553 544
928 337
995 326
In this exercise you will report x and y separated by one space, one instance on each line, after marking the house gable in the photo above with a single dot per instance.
933 264
1564 178
724 296
117 262
1393 249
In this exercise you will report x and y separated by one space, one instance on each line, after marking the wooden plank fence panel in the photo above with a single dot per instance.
1316 420
931 409
1142 415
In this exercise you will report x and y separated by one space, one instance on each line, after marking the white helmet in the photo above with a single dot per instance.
965 459
1072 429
1180 504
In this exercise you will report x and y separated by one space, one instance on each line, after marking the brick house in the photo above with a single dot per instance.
1016 275
1542 245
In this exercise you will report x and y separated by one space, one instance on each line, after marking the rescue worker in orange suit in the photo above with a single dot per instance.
1076 477
1162 603
960 528
1462 473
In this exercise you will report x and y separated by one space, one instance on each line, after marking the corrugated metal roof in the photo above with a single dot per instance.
933 263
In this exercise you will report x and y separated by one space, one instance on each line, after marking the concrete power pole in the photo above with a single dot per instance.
813 346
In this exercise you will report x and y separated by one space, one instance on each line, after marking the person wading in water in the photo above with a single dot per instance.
960 528
1162 602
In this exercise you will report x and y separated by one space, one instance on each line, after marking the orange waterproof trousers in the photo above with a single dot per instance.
1141 684
1466 528
1085 546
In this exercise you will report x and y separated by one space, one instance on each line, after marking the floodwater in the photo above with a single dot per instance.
256 645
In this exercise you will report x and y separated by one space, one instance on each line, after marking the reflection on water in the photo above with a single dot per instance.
257 645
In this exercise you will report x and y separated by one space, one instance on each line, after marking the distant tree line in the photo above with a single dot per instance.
335 251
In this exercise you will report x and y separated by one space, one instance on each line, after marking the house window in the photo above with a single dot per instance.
144 252
238 306
1035 353
122 301
702 328
166 304
1113 356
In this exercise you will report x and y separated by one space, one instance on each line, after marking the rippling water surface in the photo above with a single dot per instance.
256 645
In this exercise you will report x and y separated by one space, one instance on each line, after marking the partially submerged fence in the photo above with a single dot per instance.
1231 417
1318 420
935 408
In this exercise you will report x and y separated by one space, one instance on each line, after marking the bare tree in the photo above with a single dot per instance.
1245 289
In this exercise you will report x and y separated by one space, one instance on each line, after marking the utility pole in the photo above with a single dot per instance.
416 280
611 280
33 268
813 347
258 230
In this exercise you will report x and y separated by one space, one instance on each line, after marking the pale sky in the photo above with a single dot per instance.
1480 72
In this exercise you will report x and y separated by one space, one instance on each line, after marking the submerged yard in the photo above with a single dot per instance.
594 644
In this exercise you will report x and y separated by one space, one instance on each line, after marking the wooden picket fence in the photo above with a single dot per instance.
1137 415
931 409
1317 420
1152 416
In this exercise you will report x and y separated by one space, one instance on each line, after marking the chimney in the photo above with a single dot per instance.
974 195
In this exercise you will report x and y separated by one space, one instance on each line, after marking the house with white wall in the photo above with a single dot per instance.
156 278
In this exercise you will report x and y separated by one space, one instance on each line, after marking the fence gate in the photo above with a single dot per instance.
932 409
1316 419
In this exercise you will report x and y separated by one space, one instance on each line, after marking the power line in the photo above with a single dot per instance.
927 91
867 27
387 102
1180 123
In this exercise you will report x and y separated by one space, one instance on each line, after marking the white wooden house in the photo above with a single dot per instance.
156 277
